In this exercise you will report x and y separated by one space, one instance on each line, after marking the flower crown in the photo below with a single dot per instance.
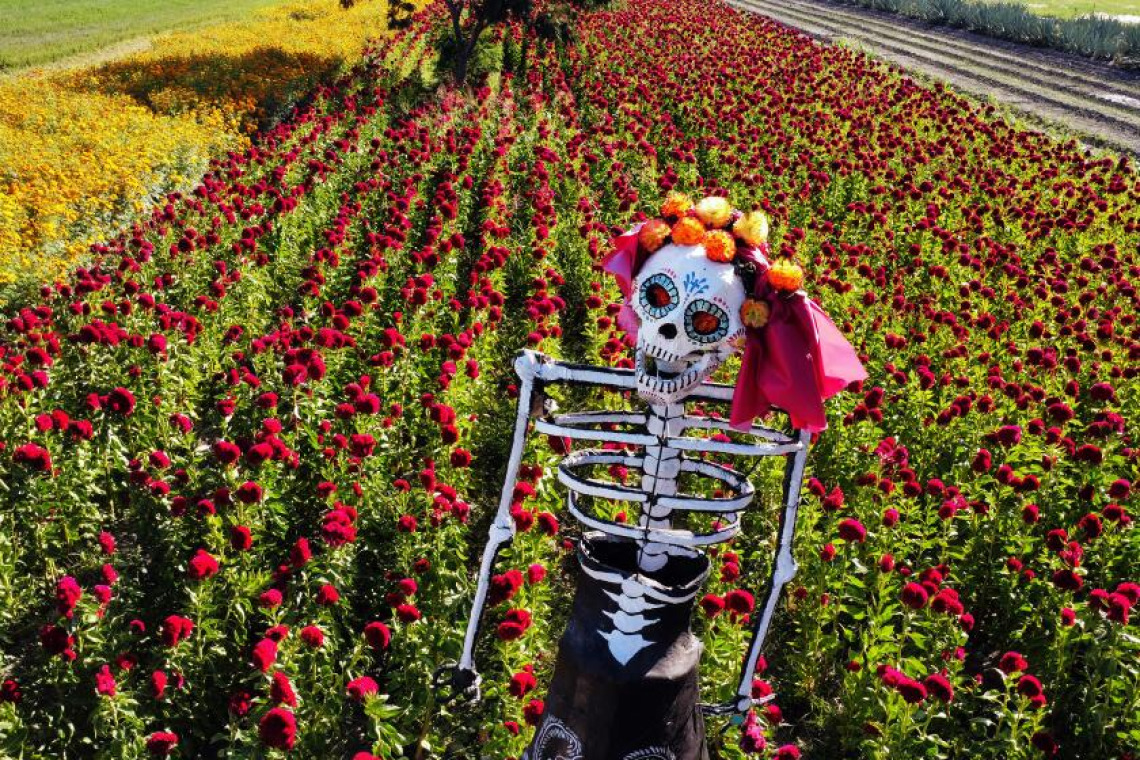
729 236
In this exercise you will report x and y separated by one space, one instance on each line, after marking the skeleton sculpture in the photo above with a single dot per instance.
625 686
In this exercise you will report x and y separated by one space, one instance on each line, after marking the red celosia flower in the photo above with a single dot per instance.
281 691
739 602
361 688
914 596
201 566
852 530
313 636
161 743
1012 662
514 625
278 729
176 629
264 654
377 635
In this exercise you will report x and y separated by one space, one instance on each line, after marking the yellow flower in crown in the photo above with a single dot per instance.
755 313
752 228
688 231
720 246
786 275
676 205
714 212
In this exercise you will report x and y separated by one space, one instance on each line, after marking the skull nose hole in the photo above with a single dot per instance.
668 331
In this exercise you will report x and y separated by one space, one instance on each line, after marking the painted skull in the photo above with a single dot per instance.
688 307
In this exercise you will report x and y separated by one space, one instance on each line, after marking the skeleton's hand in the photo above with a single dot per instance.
453 683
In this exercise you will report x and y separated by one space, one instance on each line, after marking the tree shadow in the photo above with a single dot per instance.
255 86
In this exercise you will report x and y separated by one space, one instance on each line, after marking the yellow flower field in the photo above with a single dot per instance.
81 152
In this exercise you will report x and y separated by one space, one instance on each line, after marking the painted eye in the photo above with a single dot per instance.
658 295
705 322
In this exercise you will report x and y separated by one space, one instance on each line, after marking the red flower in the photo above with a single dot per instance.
361 688
939 686
514 625
1029 686
278 729
914 596
202 565
300 554
1012 662
787 752
270 599
67 595
739 602
533 711
313 636
522 683
1044 743
852 530
10 692
176 629
535 574
264 654
158 682
712 605
240 538
504 586
407 613
121 401
377 635
161 743
912 691
34 456
249 492
281 691
105 682
57 641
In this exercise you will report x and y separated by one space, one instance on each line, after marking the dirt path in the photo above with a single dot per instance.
1098 101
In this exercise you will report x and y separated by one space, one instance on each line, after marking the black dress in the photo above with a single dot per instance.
625 682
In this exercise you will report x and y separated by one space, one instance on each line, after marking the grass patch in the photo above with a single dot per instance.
38 32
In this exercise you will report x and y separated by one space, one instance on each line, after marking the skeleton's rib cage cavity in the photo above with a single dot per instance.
661 435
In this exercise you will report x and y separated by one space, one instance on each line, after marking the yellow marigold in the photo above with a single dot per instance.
752 228
719 246
755 313
688 231
787 275
714 212
676 205
653 234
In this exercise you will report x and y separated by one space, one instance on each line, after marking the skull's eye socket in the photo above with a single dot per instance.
705 322
658 295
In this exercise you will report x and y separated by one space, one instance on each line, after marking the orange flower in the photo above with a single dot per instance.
719 246
676 205
755 313
787 275
653 234
688 231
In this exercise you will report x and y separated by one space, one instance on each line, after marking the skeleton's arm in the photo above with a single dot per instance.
783 571
534 371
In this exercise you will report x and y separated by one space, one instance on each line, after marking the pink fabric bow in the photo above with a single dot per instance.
794 363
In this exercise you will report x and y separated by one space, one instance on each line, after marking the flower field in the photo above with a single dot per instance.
250 454
86 151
